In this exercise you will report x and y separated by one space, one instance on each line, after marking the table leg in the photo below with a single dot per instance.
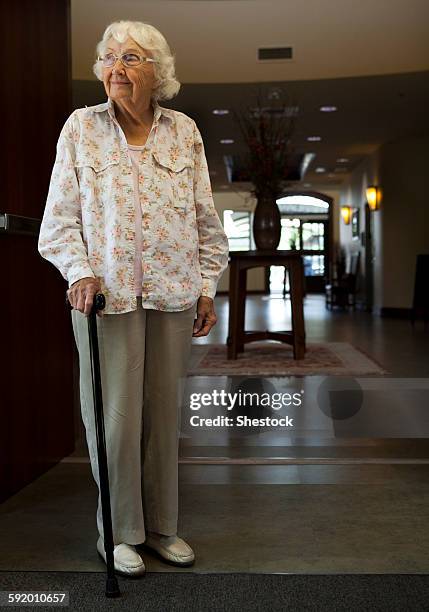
296 299
242 281
232 341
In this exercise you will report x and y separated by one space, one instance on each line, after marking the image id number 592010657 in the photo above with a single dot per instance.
34 598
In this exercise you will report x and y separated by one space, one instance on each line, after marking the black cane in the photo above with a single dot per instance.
112 588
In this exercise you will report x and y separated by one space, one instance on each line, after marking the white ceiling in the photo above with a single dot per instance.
215 41
367 57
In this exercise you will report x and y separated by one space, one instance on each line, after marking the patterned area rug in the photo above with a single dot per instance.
276 359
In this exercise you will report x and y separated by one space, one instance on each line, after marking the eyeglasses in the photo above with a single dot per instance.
128 59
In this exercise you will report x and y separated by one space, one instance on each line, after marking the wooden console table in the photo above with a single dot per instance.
240 262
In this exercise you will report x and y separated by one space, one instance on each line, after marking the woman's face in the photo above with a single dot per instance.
121 82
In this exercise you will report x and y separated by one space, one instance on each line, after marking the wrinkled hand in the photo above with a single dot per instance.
81 294
206 316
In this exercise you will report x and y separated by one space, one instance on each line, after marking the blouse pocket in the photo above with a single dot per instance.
176 176
97 164
97 176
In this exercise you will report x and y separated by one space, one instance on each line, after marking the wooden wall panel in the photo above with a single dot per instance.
36 346
36 97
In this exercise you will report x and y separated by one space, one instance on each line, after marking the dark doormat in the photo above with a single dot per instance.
241 592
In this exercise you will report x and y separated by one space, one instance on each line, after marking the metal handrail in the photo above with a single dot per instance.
17 224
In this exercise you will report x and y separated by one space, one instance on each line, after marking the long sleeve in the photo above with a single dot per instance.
60 238
213 242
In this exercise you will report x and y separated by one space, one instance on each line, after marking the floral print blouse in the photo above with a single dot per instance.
88 226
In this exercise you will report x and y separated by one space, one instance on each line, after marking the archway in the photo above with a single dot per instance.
306 218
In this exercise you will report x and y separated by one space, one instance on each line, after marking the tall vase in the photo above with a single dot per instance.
266 223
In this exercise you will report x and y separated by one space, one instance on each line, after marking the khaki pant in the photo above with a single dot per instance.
143 361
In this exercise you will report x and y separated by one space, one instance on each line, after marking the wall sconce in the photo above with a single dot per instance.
346 213
373 197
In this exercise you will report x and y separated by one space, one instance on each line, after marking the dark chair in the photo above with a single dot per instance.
342 291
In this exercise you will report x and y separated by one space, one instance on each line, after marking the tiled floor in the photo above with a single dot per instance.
319 519
344 494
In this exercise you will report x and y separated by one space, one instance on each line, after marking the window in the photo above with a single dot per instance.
237 227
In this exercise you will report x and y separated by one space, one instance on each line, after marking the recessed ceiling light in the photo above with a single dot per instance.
342 160
320 169
328 109
226 141
220 111
314 138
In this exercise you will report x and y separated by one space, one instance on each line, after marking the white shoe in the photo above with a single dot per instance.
171 548
127 561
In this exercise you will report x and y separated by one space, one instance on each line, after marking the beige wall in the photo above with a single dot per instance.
354 194
401 226
405 180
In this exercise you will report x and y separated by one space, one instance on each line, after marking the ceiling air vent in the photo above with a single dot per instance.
282 111
275 53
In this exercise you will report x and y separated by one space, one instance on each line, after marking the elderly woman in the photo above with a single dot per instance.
130 213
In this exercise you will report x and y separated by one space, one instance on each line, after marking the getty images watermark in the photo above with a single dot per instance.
242 399
339 406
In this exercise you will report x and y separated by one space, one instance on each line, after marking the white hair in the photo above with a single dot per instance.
148 37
